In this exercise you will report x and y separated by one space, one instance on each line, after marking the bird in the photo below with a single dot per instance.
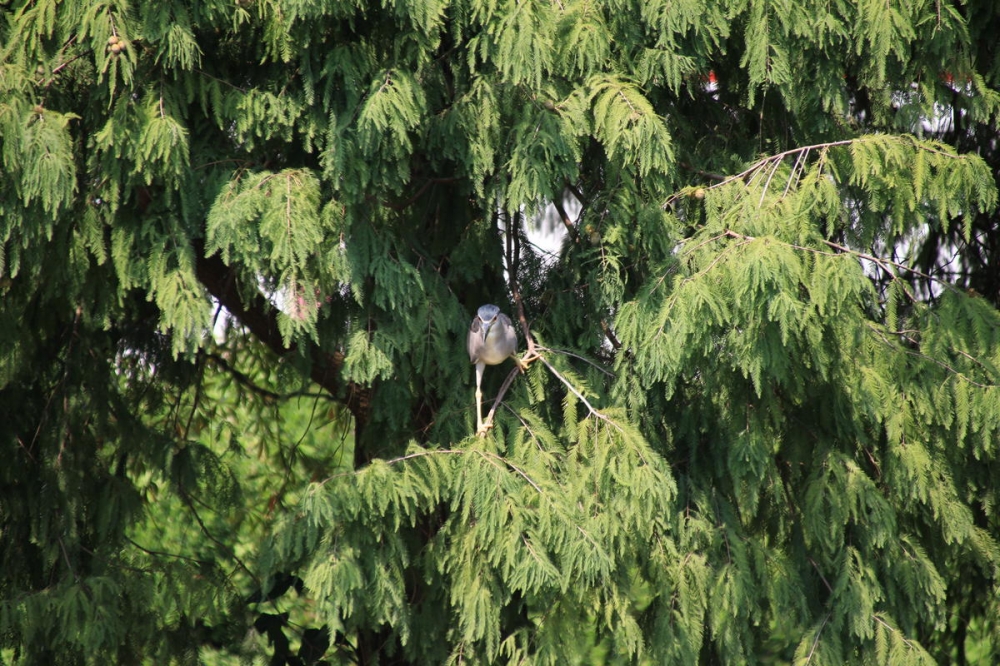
492 340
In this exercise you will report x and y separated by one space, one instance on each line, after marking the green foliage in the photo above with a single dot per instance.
240 246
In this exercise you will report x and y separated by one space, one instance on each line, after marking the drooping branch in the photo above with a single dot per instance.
768 165
704 174
265 394
889 266
885 264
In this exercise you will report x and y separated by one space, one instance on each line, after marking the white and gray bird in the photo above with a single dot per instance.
492 340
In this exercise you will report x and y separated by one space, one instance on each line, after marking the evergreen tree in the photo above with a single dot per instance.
241 242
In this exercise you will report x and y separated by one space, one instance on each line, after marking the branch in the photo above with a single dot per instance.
188 500
200 365
892 629
703 174
434 452
819 631
69 565
586 360
260 318
883 263
500 394
886 265
513 244
577 193
610 335
412 199
268 395
760 167
577 393
513 373
944 366
521 472
160 553
564 216
780 156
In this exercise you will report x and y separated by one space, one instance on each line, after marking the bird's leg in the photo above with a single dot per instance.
479 410
480 428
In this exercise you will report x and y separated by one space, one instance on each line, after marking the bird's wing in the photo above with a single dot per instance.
475 339
510 335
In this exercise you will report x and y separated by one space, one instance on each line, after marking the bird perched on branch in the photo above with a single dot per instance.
492 339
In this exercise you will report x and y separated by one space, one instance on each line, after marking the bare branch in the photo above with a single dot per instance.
576 392
513 244
260 318
564 216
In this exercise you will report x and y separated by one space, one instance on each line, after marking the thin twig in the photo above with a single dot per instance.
884 264
781 156
563 352
200 370
160 553
69 565
268 395
767 184
410 456
750 174
521 472
493 457
892 629
527 427
819 631
937 362
577 393
800 163
672 298
188 499
392 461
881 262
704 174
488 421
829 588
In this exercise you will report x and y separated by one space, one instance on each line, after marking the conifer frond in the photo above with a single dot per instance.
50 177
628 126
162 148
583 40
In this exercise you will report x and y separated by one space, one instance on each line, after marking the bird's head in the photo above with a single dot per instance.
488 315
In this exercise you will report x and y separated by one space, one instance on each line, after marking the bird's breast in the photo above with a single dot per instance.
492 356
493 351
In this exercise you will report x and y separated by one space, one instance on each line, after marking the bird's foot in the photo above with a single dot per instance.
484 428
526 360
